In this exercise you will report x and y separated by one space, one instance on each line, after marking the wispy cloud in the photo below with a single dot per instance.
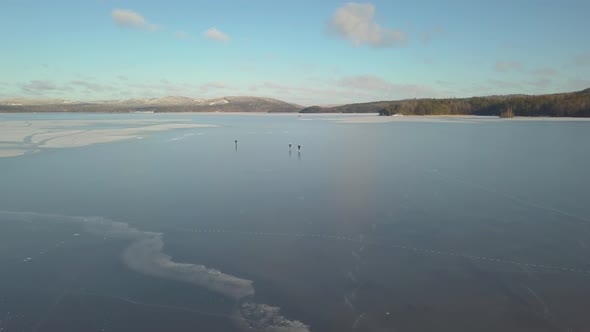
84 86
578 84
427 36
162 88
246 67
213 86
2 88
541 82
504 84
377 84
311 94
216 35
356 22
582 60
38 87
365 82
544 71
346 89
91 86
129 19
507 66
445 83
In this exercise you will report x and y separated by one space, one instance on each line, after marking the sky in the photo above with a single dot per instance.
310 52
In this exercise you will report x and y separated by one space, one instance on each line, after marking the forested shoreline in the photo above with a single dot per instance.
574 104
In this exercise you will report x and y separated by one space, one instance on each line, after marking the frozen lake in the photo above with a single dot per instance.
127 222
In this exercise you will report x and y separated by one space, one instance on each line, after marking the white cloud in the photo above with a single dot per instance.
217 35
129 19
355 22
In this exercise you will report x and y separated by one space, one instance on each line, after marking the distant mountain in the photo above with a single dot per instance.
164 104
573 104
169 100
18 101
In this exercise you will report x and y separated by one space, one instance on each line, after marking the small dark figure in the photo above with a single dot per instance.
298 148
289 146
236 141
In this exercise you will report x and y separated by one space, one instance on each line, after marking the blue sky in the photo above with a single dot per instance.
307 52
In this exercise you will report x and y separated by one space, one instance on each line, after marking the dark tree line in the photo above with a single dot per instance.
575 104
558 105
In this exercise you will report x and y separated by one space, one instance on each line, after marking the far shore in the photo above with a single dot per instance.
330 114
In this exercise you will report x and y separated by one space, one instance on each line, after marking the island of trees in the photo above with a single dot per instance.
574 104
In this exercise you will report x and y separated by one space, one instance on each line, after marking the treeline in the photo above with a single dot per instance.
373 107
575 104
